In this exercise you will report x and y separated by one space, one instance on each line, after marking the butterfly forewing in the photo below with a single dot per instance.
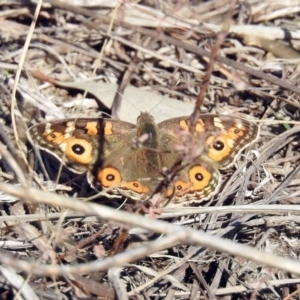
77 143
221 138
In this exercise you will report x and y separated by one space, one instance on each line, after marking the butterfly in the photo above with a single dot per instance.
123 159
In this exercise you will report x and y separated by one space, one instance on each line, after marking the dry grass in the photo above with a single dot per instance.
228 57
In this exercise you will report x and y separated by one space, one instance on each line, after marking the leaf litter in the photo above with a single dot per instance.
168 46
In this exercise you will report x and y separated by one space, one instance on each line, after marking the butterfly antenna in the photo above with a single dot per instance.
163 99
121 89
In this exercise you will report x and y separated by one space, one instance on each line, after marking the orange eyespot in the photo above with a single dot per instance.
219 147
136 186
182 187
54 137
78 150
199 177
235 133
109 177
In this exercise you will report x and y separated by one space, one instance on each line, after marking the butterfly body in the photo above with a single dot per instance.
123 159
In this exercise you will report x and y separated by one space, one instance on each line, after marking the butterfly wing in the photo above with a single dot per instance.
215 143
77 143
224 137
